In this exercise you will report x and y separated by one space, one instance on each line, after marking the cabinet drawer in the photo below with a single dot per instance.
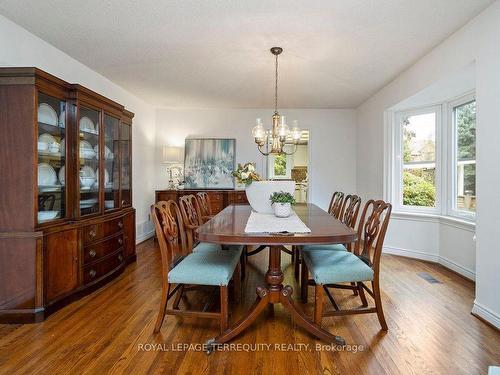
215 197
94 252
166 196
95 232
99 269
216 207
238 197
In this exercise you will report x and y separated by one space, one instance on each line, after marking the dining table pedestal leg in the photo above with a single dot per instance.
273 293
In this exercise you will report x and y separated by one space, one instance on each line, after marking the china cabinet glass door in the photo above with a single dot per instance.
88 122
126 163
111 162
51 158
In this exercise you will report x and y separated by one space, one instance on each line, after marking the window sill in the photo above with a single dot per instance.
452 221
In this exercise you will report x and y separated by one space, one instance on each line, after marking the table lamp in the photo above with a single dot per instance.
172 156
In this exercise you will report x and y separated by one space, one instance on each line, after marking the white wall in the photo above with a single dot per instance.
477 41
332 141
21 48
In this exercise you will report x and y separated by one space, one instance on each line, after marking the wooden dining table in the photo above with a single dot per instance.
228 227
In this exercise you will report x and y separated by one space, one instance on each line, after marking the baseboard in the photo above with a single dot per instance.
445 262
411 254
144 236
144 231
486 314
465 272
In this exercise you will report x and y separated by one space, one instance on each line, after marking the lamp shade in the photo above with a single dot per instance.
172 154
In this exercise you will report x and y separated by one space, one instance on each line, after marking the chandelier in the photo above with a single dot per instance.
280 139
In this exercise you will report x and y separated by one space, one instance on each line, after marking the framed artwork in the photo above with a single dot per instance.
208 163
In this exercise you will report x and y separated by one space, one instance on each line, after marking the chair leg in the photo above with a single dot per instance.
224 317
296 263
355 291
293 254
362 295
163 306
243 262
177 299
378 304
318 304
237 283
304 275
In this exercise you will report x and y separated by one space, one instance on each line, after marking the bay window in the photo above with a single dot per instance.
431 159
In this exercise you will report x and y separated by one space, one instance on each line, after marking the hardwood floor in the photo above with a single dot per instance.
431 330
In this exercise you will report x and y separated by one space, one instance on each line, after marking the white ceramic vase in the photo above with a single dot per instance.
282 209
259 192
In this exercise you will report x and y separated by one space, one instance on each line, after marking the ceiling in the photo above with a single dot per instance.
195 53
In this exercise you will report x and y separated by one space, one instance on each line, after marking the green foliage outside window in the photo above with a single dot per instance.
418 190
466 142
280 165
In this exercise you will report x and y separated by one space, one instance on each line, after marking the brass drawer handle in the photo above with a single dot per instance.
120 241
92 233
92 253
92 274
120 257
120 224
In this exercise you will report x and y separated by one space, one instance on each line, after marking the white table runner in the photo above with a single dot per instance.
268 223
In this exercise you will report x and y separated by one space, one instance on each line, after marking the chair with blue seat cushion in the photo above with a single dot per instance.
330 269
337 267
206 246
205 211
183 268
205 268
331 247
192 217
348 215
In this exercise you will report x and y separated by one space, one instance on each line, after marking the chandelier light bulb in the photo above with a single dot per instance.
296 132
259 131
283 130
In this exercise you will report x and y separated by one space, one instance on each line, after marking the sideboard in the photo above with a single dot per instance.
67 225
219 199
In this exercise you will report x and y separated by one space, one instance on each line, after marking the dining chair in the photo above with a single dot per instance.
183 269
336 204
192 219
191 215
350 211
205 206
334 268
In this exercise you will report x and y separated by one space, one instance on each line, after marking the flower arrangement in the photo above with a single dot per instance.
246 174
282 197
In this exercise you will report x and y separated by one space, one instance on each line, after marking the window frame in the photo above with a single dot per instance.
452 173
398 166
270 167
446 184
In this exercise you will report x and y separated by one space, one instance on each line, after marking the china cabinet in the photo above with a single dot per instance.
67 225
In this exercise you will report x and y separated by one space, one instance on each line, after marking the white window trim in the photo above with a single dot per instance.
270 167
445 164
452 170
398 162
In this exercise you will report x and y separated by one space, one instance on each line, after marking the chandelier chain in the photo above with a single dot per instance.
276 86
